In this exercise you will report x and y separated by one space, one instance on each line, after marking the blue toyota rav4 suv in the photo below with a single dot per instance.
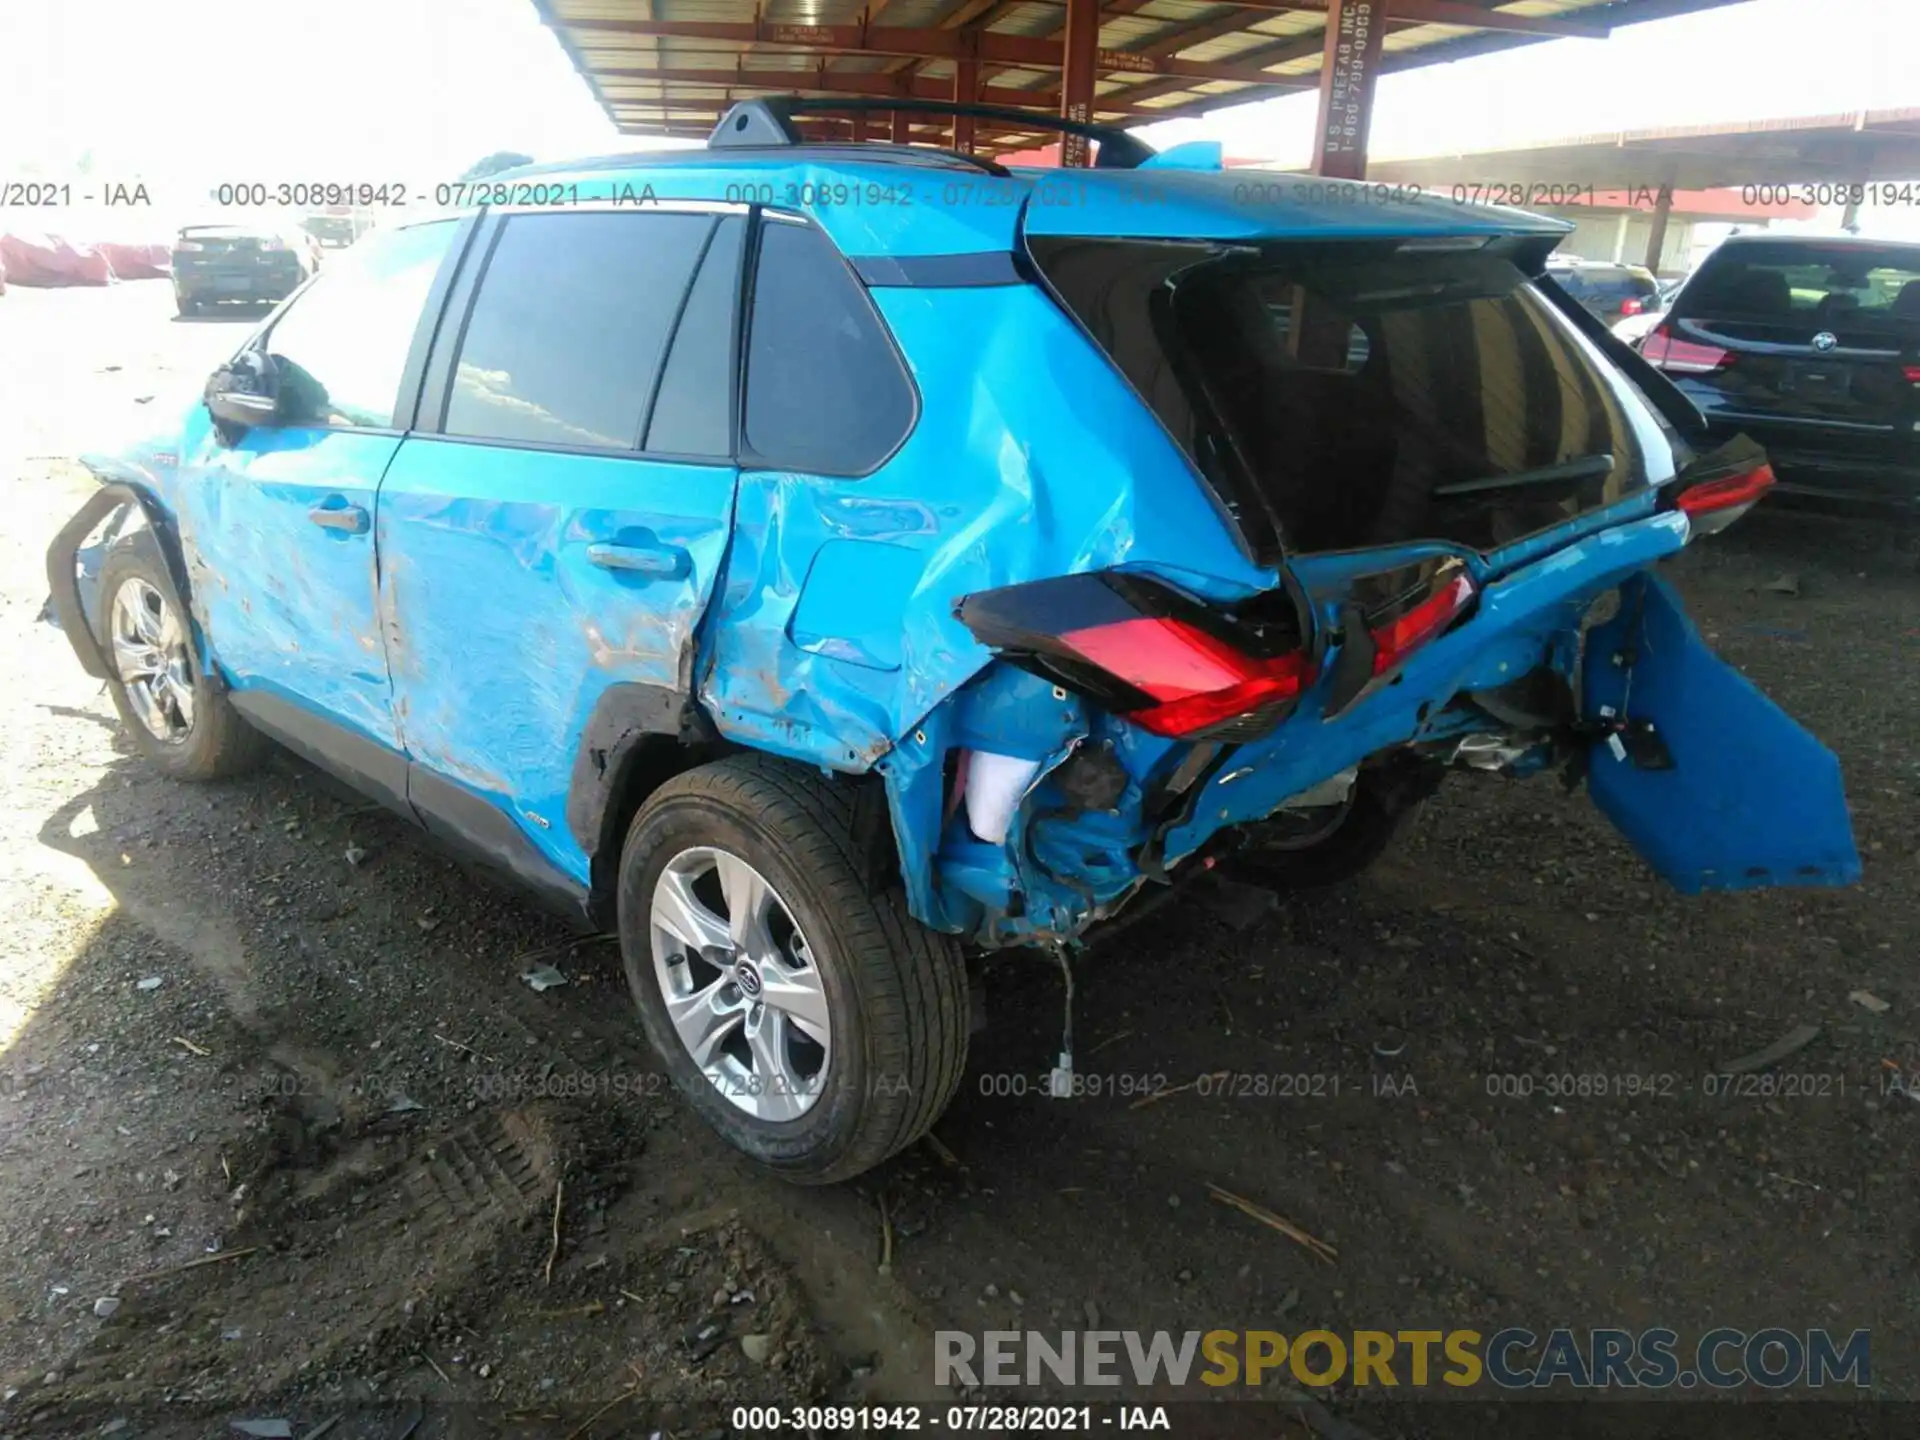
822 561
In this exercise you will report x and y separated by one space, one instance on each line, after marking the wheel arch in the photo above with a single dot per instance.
63 573
640 736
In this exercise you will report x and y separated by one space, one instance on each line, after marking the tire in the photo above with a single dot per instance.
893 994
186 306
204 739
1347 843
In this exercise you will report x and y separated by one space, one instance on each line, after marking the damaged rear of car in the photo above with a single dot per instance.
1461 497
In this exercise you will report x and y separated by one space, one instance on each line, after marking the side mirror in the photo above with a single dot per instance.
245 392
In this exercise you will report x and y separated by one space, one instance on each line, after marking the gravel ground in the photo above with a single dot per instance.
270 1080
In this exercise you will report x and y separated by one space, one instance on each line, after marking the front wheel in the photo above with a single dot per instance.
807 1017
174 715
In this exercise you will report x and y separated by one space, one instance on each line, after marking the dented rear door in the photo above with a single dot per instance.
557 537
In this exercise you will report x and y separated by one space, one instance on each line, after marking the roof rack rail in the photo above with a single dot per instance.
768 122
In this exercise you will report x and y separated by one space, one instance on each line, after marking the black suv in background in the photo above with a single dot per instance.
1611 292
1811 345
254 263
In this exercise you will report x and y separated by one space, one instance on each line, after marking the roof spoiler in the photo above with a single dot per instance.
768 122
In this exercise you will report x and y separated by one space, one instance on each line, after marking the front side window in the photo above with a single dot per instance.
565 339
826 391
340 348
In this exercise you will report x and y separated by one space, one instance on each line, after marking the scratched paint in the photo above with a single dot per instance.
508 632
478 619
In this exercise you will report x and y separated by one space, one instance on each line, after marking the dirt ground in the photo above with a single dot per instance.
281 1128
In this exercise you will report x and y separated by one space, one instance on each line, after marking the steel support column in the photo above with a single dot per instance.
1355 30
902 128
966 91
1657 235
1080 50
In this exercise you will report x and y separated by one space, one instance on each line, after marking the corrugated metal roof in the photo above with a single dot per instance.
673 66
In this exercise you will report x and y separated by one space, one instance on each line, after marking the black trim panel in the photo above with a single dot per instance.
947 272
471 823
363 763
407 409
64 582
625 718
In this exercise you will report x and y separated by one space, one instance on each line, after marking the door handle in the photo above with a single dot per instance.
656 562
348 519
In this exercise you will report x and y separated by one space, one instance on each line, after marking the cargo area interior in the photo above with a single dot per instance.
1334 405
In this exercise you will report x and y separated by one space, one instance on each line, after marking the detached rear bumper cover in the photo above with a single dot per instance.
1750 799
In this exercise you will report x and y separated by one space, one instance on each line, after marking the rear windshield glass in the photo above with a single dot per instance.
1606 284
1410 397
1825 285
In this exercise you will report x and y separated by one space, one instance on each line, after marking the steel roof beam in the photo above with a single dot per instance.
820 81
990 46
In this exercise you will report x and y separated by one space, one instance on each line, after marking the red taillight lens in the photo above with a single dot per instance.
1137 647
1399 638
1912 373
1683 357
1632 305
1198 680
1712 496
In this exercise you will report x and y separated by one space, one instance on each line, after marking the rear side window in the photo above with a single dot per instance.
826 391
693 412
565 338
341 346
1828 286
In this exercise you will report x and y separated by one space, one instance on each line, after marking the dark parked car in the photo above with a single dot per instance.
1811 345
1610 292
215 263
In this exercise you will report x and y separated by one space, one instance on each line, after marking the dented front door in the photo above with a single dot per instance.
277 531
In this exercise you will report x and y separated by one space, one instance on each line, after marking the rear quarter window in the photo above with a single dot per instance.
827 392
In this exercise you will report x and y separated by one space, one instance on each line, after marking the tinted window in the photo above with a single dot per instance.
693 413
826 393
565 338
1469 408
1830 285
341 346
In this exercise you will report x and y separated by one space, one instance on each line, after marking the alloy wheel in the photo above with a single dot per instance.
741 986
154 660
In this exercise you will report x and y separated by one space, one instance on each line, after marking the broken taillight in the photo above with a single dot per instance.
1145 651
1720 487
1666 351
1712 505
1388 616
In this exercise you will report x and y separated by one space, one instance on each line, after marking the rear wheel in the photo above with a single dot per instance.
173 714
807 1017
1328 845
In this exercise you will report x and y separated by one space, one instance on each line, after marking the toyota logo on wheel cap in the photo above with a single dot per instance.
748 978
1825 340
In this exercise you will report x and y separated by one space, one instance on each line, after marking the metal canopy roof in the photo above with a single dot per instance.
1864 145
671 67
